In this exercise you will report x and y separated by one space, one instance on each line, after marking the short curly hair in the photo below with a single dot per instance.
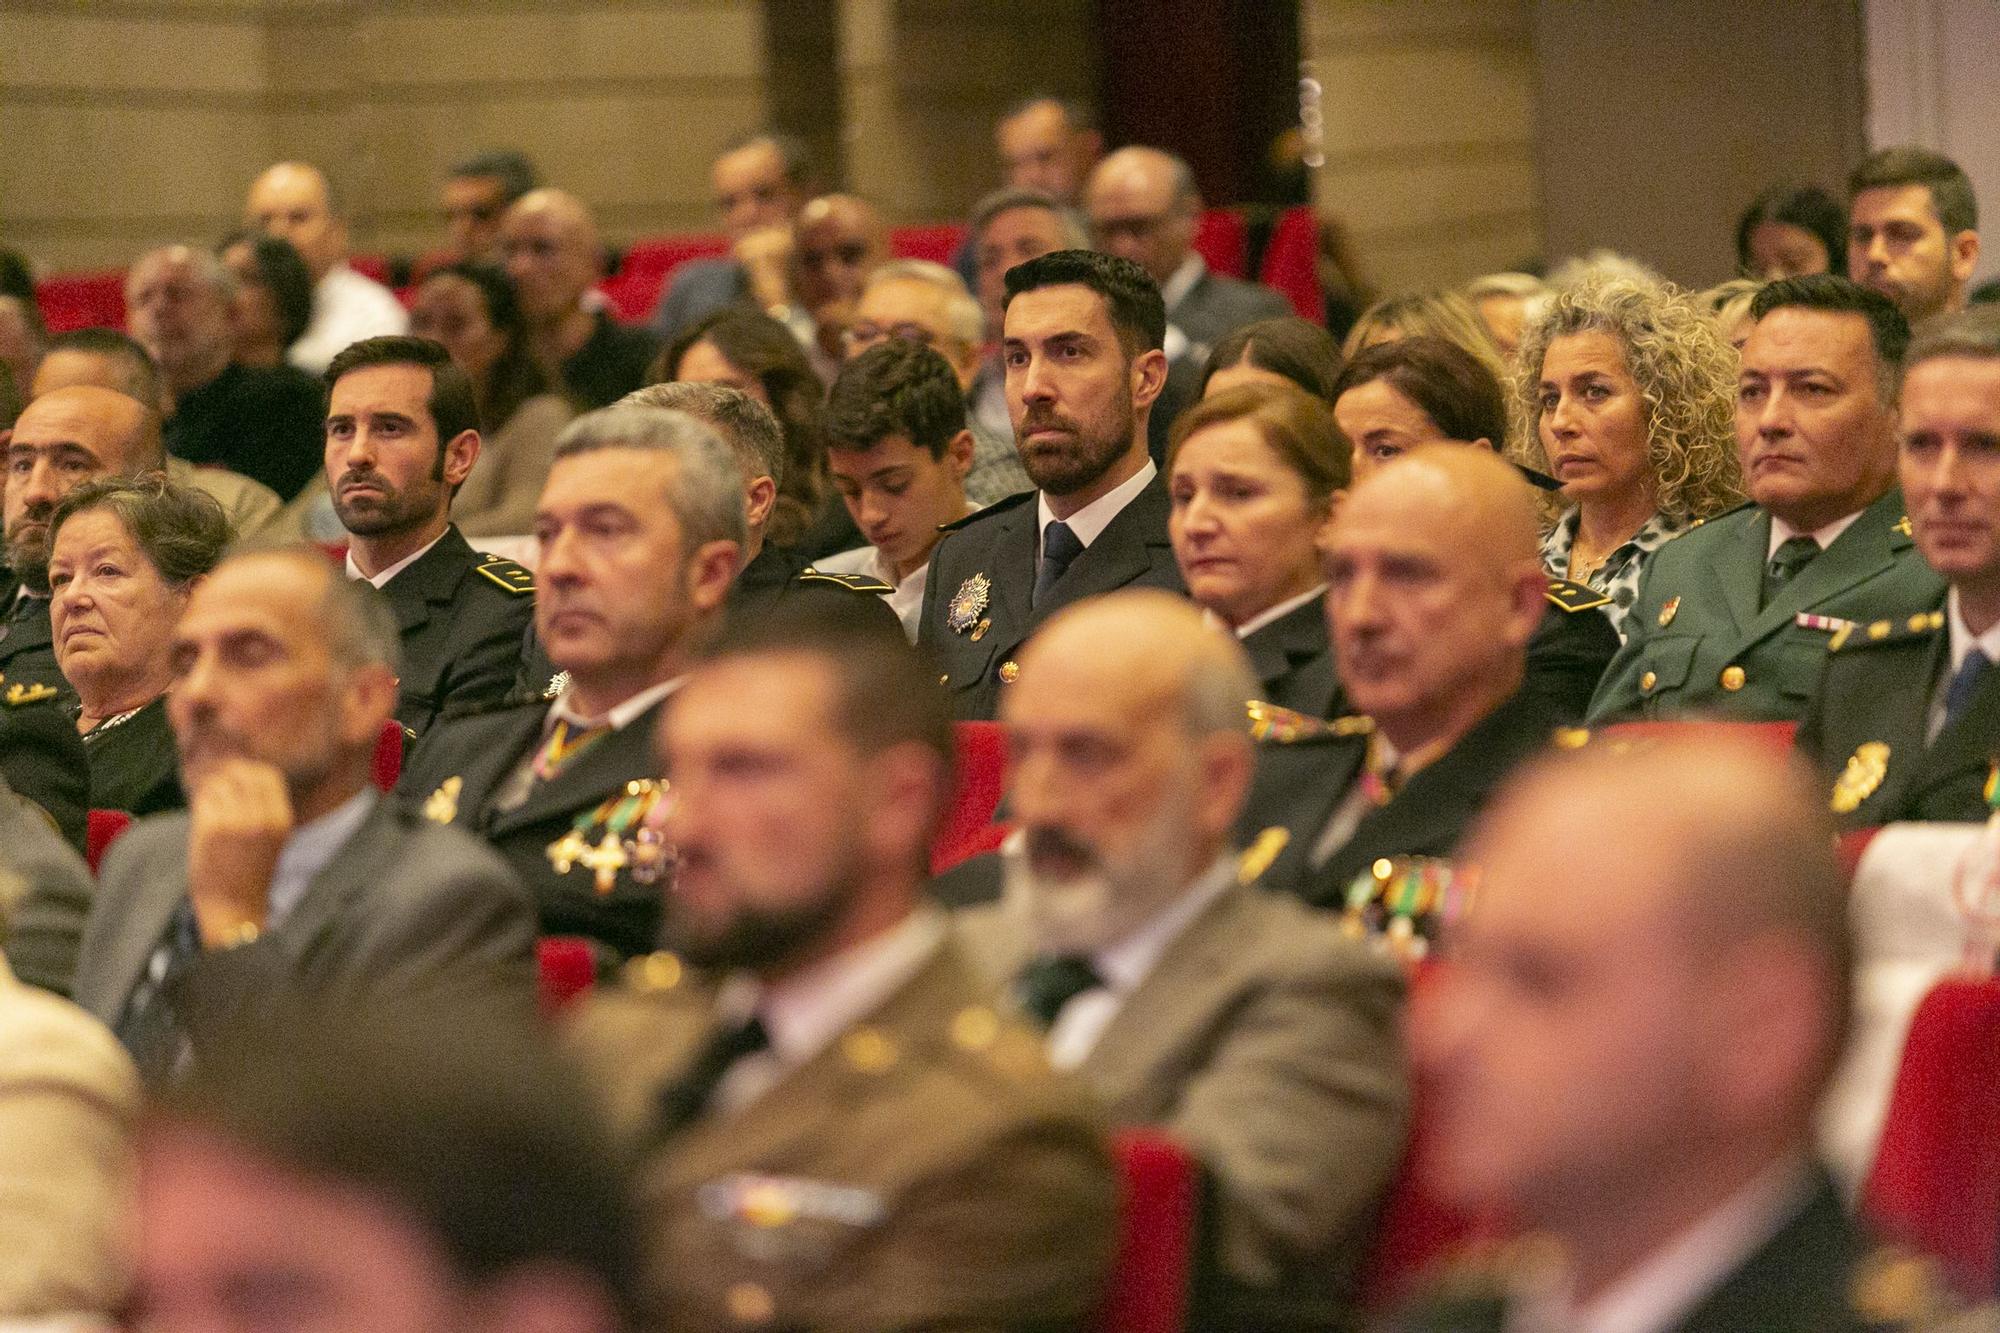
1686 375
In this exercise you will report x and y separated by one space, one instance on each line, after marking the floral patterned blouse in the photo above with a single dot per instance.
1618 577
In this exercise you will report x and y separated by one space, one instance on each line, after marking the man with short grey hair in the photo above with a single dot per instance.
642 529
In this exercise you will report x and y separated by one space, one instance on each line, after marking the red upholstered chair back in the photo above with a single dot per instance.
101 829
389 755
1936 1181
1158 1233
1291 262
1777 735
968 827
1222 238
565 968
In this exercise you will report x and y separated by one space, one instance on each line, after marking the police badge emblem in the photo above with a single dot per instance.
964 609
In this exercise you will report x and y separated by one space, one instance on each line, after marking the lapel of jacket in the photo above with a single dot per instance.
29 633
162 886
488 756
431 581
1012 573
359 864
1306 818
625 754
1859 553
1970 742
1121 553
1286 644
1736 575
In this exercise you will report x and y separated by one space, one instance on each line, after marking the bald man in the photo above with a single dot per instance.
294 202
555 257
1434 591
1246 1025
1627 1050
838 240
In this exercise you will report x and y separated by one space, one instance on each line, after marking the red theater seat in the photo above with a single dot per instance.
1223 239
1291 262
1158 1230
1777 735
388 765
101 829
565 969
82 301
1936 1181
968 827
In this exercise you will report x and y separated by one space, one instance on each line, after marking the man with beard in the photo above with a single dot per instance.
834 1131
1913 230
288 874
402 435
1082 342
641 529
1243 1023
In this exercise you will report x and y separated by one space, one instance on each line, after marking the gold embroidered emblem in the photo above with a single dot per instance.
967 604
1866 768
18 694
441 806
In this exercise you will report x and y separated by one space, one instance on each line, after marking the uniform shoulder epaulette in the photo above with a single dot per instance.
997 507
851 582
1287 726
1571 596
18 695
517 579
1896 629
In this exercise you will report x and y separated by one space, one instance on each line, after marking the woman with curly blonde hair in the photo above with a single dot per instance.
1627 392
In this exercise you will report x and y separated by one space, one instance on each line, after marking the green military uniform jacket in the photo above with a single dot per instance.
1701 646
977 601
925 1170
462 615
1866 732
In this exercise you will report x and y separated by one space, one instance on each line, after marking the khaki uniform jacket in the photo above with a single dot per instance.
925 1171
1700 646
1267 1042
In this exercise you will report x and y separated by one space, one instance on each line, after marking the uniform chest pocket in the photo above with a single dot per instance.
1666 662
966 664
1799 659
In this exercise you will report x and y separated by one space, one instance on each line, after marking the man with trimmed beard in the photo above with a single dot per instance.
1081 347
1246 1025
832 1129
402 434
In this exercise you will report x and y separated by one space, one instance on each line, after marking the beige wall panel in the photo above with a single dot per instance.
1413 98
1433 191
621 42
168 163
1407 262
114 55
1335 23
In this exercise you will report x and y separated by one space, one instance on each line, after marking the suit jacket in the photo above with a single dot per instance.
1877 692
924 1171
1300 783
699 288
1217 305
457 772
44 929
68 1101
402 907
462 615
1700 645
1293 661
1267 1041
135 766
778 579
999 544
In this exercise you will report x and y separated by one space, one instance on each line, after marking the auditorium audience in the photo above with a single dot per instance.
1438 314
837 241
289 875
1049 145
816 1027
1624 389
1009 227
1505 303
759 183
1912 230
553 255
1285 350
471 309
473 197
1733 619
274 294
295 202
124 558
1789 231
261 423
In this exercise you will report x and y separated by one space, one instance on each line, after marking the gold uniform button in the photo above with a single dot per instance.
945 679
749 1303
1649 680
1732 678
1009 672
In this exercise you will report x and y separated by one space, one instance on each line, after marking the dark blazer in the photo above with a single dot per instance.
135 766
46 926
1292 660
610 364
402 907
1299 784
42 756
462 615
479 752
1877 691
999 544
778 579
1700 645
1218 305
27 643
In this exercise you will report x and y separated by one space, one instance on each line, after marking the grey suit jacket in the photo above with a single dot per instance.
45 927
1267 1041
1218 305
405 906
698 287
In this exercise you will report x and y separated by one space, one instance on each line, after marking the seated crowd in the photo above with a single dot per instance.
426 639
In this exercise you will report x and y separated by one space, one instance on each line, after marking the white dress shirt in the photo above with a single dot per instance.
346 307
1172 292
1089 522
1826 536
382 580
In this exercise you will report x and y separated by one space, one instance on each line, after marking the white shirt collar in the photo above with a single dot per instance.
564 708
307 852
1963 640
1090 521
1826 536
1123 965
1270 614
382 580
1182 280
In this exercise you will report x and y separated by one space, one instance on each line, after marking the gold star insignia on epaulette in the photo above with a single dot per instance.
514 578
851 582
1261 852
1569 595
19 694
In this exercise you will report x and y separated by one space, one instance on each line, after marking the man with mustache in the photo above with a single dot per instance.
288 874
1082 350
402 435
1243 1023
1734 617
641 526
1905 722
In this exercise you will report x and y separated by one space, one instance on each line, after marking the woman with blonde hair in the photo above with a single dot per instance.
1627 391
1440 314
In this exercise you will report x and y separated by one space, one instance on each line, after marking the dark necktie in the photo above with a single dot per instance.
683 1100
1052 981
1059 547
1964 682
1793 554
150 1029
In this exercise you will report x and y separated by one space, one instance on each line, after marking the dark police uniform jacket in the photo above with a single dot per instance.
42 757
462 615
27 642
779 579
459 769
996 549
1866 730
1701 646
